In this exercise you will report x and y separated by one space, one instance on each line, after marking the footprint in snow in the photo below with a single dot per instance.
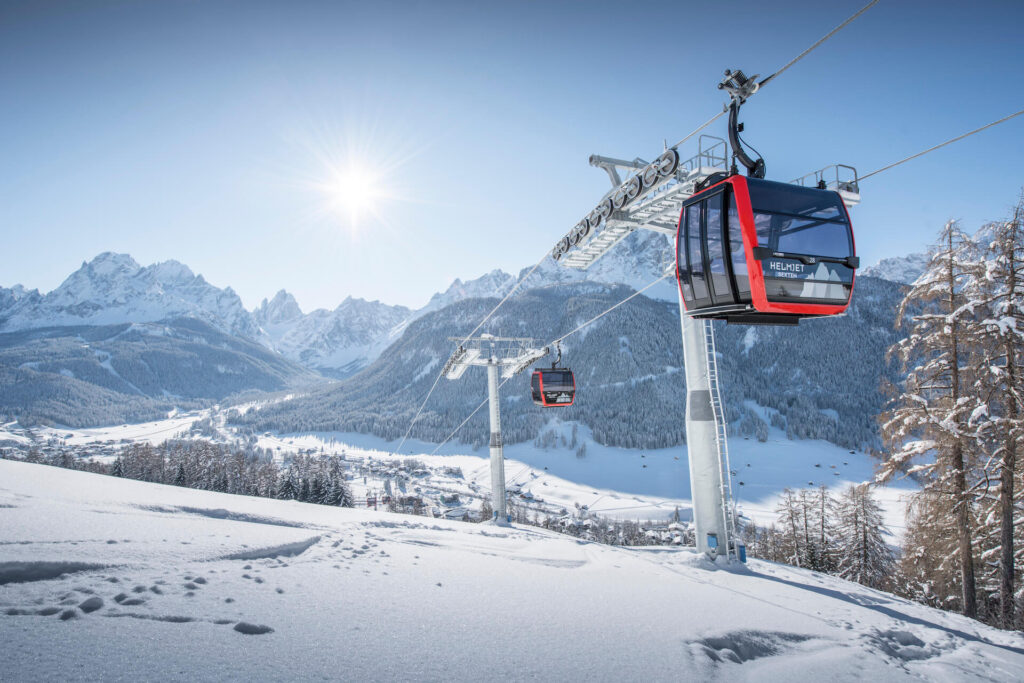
252 629
91 604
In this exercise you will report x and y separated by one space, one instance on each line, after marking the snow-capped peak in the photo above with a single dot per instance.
171 272
110 264
283 308
495 283
114 288
902 269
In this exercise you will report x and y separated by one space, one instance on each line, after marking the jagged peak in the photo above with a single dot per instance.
171 271
109 262
282 307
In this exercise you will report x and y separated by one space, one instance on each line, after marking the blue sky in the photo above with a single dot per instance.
207 132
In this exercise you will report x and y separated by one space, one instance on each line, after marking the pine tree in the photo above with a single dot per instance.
862 553
118 469
927 429
287 490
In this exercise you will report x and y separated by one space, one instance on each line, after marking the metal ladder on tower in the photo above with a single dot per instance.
721 441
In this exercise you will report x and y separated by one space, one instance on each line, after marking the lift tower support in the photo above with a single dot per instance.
507 356
651 198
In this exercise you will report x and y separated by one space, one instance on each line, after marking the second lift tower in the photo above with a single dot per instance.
506 356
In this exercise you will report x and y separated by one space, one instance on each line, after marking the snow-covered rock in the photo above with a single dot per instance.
280 311
113 288
902 269
337 342
494 283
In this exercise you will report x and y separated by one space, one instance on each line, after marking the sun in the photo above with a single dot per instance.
355 191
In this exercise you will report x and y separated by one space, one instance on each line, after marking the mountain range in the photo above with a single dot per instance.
119 341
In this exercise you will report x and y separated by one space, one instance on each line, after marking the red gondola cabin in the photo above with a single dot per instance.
553 387
760 252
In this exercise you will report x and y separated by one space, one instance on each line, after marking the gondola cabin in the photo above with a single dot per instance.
760 252
553 387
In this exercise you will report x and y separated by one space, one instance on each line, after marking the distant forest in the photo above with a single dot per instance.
820 380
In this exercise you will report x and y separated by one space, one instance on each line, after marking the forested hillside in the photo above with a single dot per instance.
90 375
819 380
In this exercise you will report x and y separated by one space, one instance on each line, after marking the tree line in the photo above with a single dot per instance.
841 535
214 467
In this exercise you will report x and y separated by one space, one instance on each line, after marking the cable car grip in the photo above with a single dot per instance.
740 87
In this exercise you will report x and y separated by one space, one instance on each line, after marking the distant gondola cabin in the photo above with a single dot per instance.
553 387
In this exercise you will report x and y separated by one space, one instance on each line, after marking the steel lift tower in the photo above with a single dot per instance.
651 198
510 356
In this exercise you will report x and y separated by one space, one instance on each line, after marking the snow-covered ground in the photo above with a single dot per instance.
149 432
105 578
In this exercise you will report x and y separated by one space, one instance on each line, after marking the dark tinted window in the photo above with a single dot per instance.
773 197
684 268
801 236
716 249
794 235
700 288
556 379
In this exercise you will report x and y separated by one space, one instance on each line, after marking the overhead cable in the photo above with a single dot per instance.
943 144
806 52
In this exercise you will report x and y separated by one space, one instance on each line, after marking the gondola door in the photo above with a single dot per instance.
714 235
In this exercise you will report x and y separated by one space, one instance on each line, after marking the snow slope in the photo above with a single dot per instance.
164 583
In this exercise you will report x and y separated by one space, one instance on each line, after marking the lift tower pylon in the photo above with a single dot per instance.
506 356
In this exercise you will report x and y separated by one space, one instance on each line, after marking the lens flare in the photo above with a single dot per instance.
356 192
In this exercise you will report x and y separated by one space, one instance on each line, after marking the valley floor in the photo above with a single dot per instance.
104 578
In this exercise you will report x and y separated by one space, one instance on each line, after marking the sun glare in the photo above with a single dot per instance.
355 192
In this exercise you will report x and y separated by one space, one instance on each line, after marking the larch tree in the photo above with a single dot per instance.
926 429
996 297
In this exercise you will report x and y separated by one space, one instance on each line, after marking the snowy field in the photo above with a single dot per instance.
613 482
105 578
635 484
